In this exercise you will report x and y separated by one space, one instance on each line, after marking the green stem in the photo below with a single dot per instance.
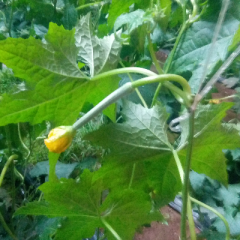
217 213
129 87
186 176
89 5
113 97
55 6
185 94
23 144
132 175
190 219
8 138
7 229
6 166
137 91
179 165
153 55
11 165
11 19
189 207
108 226
195 10
162 78
124 70
169 61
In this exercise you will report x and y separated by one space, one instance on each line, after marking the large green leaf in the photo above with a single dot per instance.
99 54
81 203
52 74
140 140
56 88
210 138
195 44
144 132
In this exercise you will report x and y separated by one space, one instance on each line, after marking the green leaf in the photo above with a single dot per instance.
235 41
206 116
166 10
80 202
133 20
233 220
63 170
210 138
116 11
99 54
143 133
195 44
70 16
140 140
52 75
127 210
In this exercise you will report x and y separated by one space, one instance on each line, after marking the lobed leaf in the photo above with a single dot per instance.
141 140
80 204
210 139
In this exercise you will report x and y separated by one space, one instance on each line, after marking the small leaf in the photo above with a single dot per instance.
116 11
235 41
70 16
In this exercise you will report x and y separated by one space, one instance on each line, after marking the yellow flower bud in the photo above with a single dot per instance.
59 139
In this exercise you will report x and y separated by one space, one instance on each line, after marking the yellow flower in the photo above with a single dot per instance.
59 139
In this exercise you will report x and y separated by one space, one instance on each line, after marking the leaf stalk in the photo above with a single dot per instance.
109 227
187 168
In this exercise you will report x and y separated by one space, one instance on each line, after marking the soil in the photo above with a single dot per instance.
161 231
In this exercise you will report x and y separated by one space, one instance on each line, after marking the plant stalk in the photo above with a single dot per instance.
124 70
132 175
129 87
89 5
217 213
185 190
189 207
214 39
113 97
137 91
185 94
169 61
153 55
109 227
6 166
7 229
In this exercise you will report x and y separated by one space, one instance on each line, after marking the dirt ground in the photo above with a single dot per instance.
160 231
